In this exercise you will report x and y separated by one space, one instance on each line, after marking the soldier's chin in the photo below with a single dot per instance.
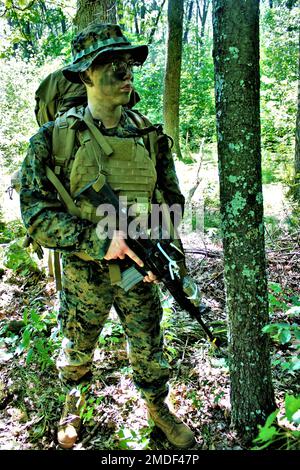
125 97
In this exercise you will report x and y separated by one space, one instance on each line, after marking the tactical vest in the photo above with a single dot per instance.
126 164
128 169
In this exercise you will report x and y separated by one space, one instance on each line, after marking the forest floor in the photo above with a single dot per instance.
31 396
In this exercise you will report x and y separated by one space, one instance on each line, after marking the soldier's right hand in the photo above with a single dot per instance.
118 248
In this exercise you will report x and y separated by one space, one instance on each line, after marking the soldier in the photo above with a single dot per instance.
103 59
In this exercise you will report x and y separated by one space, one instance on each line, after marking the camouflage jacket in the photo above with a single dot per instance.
45 217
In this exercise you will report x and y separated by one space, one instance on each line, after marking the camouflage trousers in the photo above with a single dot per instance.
85 302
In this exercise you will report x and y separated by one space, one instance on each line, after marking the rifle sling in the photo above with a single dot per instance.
65 196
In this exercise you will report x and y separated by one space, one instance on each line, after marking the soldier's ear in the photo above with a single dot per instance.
85 78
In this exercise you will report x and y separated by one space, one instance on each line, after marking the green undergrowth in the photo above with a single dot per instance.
282 427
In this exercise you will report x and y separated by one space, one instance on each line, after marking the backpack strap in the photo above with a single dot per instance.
149 138
96 133
73 210
63 138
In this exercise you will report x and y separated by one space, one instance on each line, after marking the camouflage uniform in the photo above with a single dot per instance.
131 170
87 293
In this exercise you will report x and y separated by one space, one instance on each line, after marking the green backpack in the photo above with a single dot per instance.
56 95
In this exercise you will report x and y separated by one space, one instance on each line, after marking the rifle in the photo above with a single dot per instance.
159 256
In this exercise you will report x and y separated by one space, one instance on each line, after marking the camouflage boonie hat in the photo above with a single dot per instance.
99 41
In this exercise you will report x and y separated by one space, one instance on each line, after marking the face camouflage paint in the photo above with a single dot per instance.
121 67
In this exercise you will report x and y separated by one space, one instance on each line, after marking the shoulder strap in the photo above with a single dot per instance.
63 138
150 138
65 196
96 133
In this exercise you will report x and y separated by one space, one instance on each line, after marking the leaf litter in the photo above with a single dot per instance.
31 397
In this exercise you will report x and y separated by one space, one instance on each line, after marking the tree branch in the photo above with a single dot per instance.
30 4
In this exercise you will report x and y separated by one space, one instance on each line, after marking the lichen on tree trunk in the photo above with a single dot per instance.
88 11
236 59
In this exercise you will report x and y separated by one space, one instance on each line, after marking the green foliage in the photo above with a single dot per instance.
279 71
57 45
197 108
38 393
197 117
17 119
281 434
149 84
267 432
11 230
277 297
39 338
285 333
89 409
112 333
18 258
272 167
39 31
273 228
167 325
282 332
212 216
194 397
129 439
212 220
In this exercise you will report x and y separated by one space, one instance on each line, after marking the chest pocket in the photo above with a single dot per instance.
129 170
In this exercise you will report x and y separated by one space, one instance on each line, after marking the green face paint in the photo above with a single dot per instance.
108 79
121 67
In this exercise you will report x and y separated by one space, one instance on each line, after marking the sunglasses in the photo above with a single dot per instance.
120 66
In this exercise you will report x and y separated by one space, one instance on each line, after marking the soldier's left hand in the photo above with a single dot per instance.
150 278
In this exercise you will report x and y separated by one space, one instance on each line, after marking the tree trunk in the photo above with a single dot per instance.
120 14
154 27
89 11
143 16
236 61
297 140
188 21
173 71
203 17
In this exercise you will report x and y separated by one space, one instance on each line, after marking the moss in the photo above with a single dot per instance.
236 147
233 179
259 198
234 52
237 204
249 273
